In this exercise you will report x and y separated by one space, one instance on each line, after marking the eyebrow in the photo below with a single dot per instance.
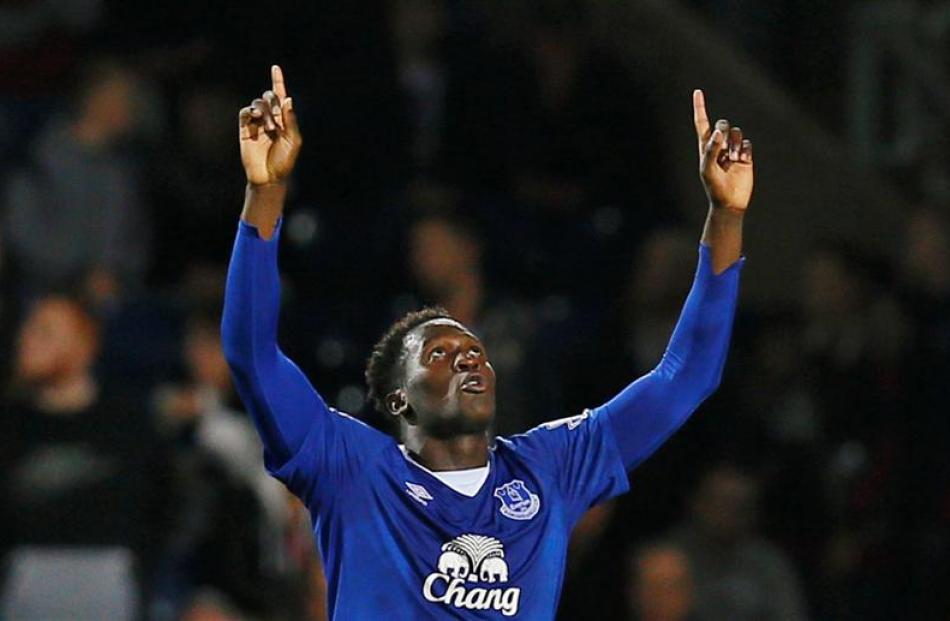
433 341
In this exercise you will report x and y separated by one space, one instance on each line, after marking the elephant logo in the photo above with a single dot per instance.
475 558
466 564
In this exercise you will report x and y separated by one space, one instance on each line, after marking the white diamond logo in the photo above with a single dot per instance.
418 493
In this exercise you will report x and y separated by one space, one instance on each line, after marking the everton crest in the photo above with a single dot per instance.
517 501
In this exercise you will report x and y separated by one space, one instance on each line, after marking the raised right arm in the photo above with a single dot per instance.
279 397
313 449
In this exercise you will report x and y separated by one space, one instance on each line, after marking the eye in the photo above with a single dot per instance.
475 351
436 353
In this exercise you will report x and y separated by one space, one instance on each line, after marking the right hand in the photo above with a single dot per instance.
269 136
725 160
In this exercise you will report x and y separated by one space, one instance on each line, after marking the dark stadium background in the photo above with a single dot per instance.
530 165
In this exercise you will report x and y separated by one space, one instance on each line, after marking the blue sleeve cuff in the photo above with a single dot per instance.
249 230
705 264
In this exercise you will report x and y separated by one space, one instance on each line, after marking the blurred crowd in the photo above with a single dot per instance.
502 172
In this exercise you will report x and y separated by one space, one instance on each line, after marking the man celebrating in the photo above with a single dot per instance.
450 525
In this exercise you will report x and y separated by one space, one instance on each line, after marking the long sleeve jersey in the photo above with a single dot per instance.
398 543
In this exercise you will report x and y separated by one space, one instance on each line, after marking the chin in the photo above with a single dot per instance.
481 417
468 421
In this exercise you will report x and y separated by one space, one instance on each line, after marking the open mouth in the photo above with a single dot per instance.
473 383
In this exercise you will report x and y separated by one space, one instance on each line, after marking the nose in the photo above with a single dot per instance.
467 361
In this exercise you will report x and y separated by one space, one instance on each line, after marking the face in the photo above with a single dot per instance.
664 586
111 104
725 504
449 385
54 342
438 254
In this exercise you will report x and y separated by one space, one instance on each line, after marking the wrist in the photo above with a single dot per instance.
263 206
275 189
726 213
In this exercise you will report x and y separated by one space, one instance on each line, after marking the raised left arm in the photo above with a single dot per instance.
650 409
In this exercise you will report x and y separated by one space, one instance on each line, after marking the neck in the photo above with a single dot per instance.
69 395
460 452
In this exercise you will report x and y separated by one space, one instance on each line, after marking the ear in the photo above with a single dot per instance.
396 402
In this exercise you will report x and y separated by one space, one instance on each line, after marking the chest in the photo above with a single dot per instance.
487 552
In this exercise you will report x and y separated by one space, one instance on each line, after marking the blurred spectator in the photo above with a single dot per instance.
82 471
854 336
925 501
737 575
782 422
418 30
593 581
233 519
73 211
40 41
444 73
210 606
661 587
208 407
445 261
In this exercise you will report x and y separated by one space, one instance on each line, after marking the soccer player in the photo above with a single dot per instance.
449 524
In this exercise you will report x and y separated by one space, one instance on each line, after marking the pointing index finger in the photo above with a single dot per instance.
277 80
700 118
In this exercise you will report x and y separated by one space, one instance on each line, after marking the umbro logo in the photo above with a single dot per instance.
418 493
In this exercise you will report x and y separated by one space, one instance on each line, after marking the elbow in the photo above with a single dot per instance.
712 385
686 381
713 381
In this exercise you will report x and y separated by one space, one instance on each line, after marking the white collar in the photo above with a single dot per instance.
467 482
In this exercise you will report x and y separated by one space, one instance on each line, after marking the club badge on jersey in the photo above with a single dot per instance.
517 501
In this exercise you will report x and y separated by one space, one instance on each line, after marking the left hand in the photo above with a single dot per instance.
725 160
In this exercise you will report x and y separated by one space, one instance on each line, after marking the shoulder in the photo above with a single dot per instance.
545 438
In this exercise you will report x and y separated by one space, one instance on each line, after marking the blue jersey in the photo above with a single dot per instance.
397 539
396 542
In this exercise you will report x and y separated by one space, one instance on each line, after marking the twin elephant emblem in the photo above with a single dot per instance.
474 558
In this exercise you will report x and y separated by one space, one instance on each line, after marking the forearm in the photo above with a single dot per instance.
263 206
723 235
649 410
278 396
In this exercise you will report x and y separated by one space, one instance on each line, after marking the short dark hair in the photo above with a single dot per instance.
385 363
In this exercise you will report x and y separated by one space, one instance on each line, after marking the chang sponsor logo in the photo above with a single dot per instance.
466 564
